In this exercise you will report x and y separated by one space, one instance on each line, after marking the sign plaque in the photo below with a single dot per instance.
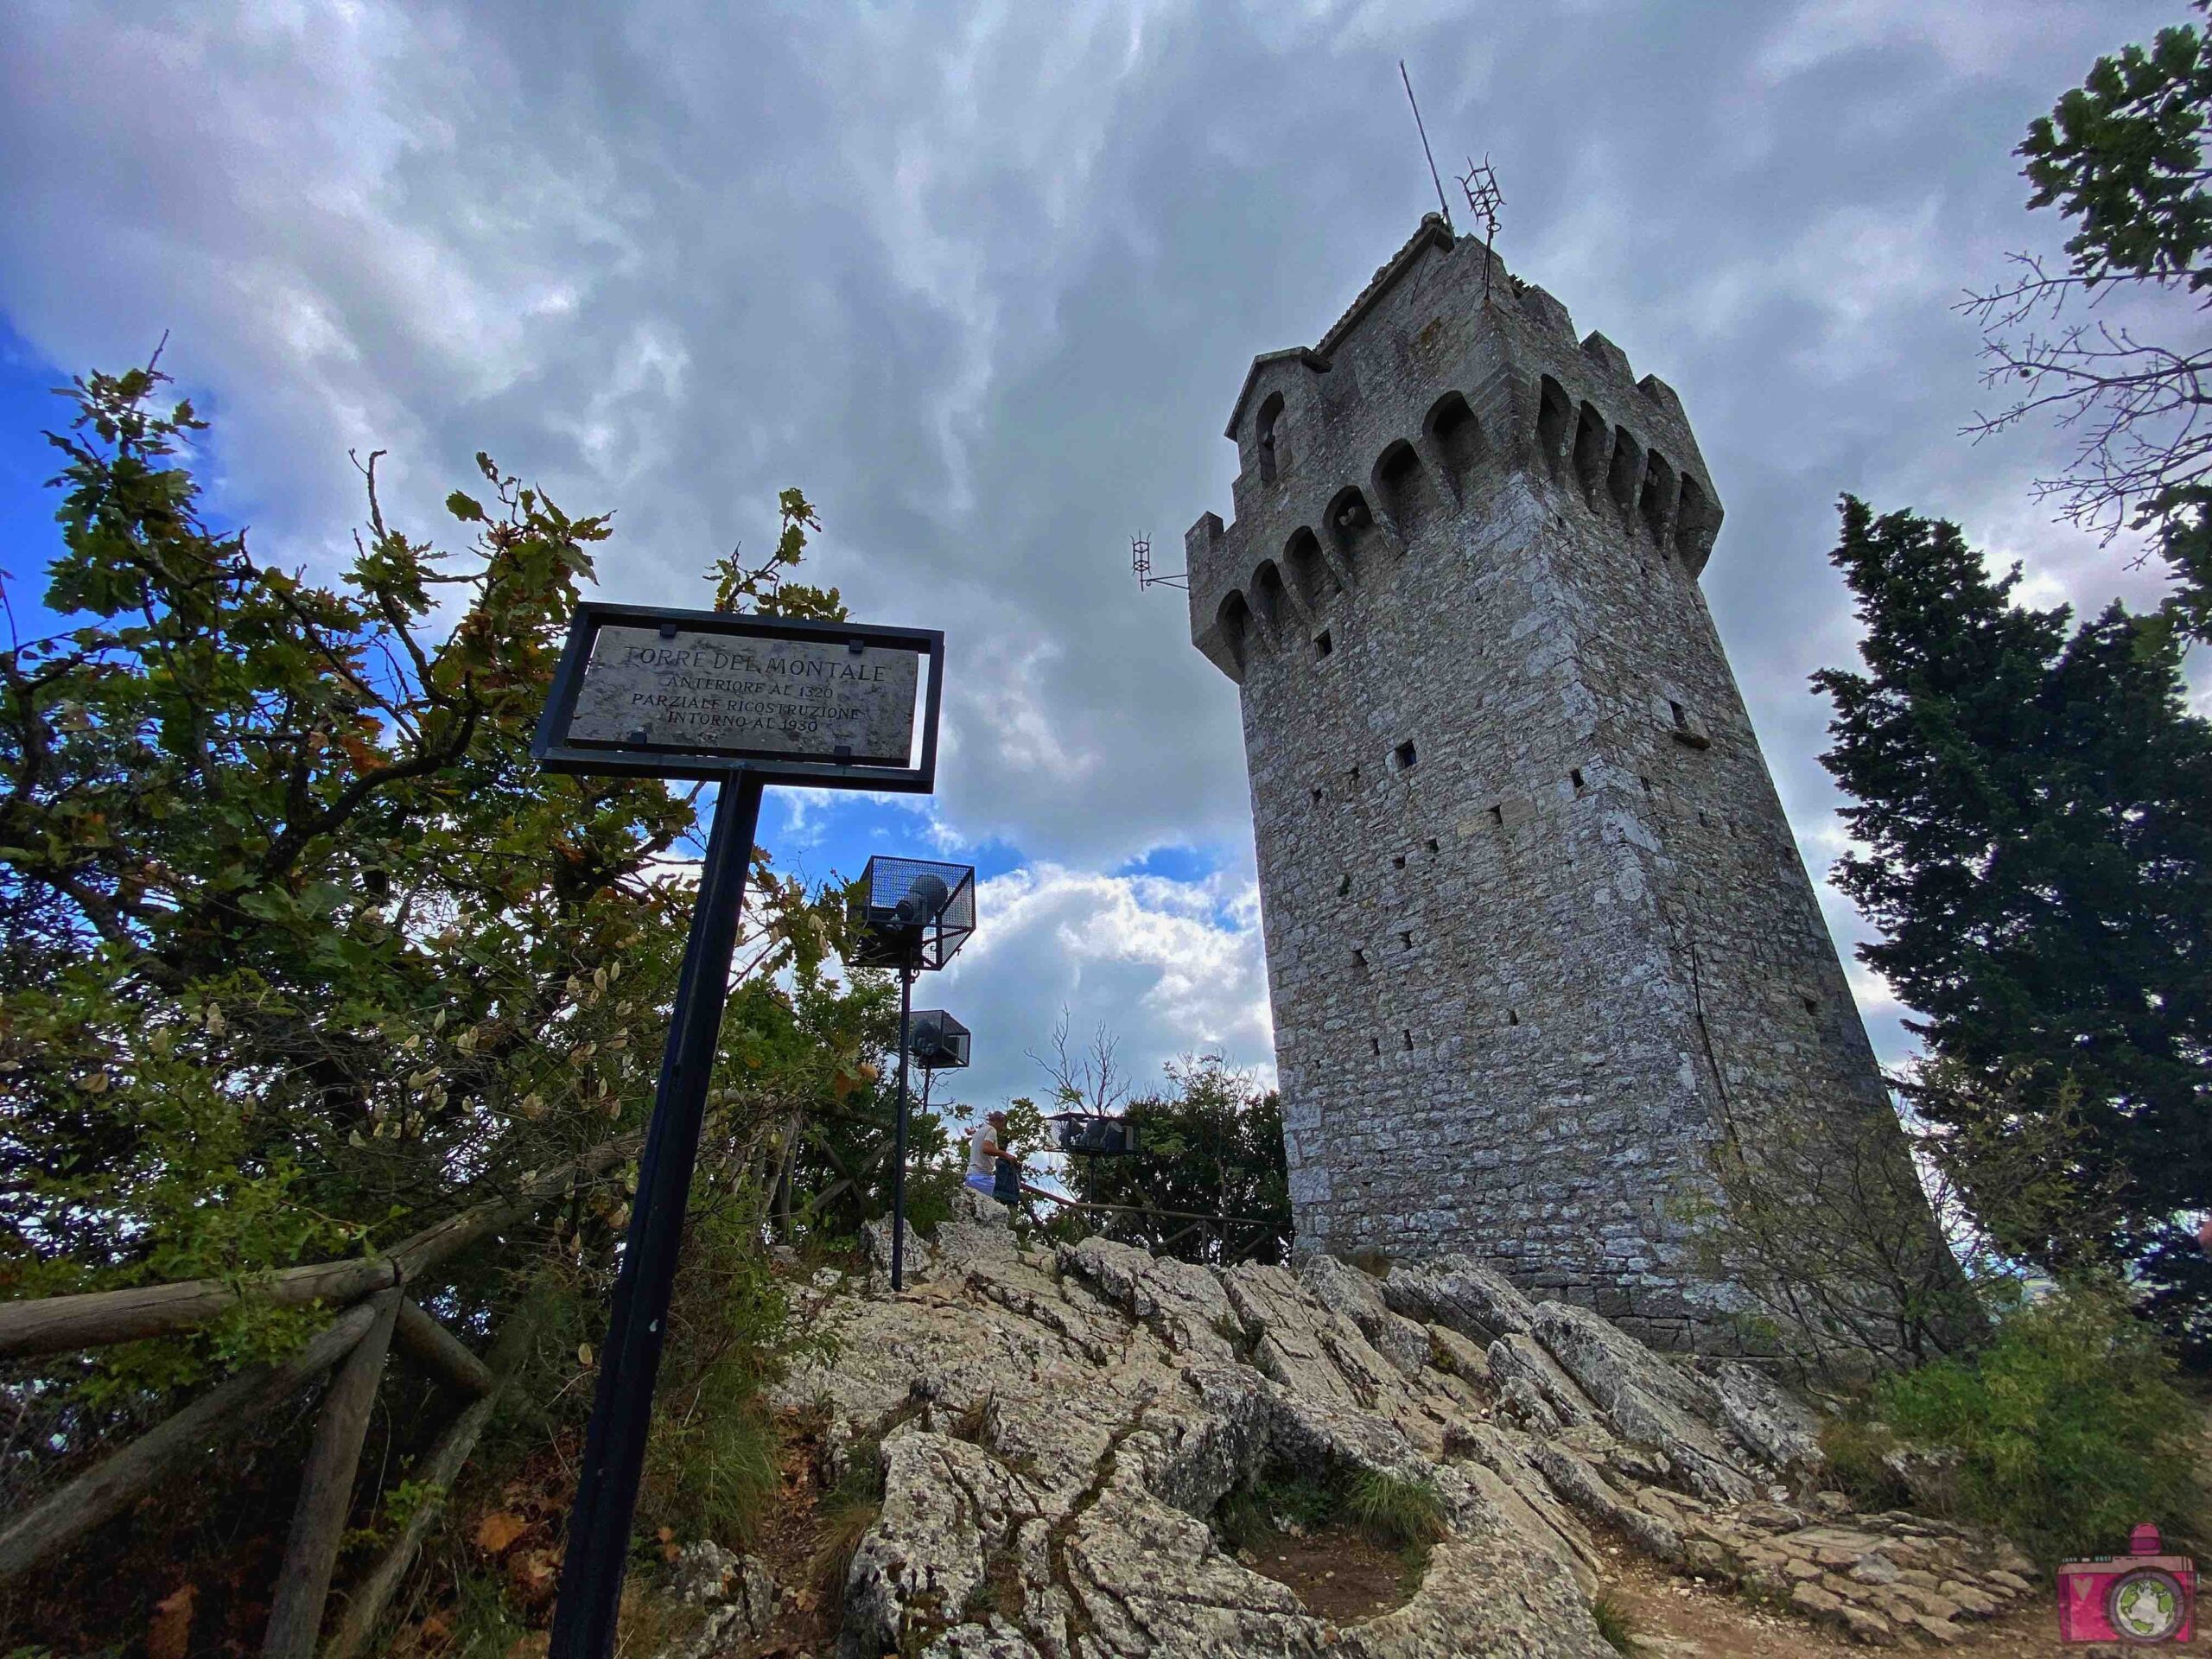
748 696
696 694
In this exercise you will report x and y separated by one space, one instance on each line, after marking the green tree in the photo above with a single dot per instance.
2122 157
2035 806
302 949
1210 1146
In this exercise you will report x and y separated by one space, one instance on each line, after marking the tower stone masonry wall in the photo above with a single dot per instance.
1537 930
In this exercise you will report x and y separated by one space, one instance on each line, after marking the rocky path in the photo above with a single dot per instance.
1055 1435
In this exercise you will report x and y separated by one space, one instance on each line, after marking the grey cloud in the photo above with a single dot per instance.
983 281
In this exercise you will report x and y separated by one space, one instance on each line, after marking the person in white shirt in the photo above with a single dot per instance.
986 1147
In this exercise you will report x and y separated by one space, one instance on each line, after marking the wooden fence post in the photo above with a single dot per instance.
442 1354
326 1489
365 1605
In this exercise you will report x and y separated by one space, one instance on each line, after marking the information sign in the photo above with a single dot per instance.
699 693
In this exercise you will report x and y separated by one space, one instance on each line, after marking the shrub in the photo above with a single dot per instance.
2069 1428
711 1466
1614 1624
1254 1515
1856 1452
1402 1514
846 1510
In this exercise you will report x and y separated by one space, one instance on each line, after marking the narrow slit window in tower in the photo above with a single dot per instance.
1344 887
1376 1044
1406 756
1497 815
1359 959
1323 644
1575 777
1397 860
1406 941
1512 1017
1433 846
1409 1041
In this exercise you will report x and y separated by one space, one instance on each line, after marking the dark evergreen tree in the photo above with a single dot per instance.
2035 803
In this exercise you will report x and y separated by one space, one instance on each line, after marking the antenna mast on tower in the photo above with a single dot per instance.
1422 129
1485 198
1140 562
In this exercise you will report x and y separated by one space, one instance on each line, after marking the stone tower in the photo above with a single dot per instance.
1537 930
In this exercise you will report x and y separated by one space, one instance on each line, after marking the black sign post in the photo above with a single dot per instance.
744 702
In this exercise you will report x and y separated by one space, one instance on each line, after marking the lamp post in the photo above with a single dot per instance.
913 915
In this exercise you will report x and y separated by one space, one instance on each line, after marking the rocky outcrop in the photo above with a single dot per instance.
736 1593
1056 1433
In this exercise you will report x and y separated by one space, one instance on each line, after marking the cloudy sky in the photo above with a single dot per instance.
984 280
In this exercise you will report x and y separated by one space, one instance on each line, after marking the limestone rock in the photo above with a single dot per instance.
1455 1355
1532 1385
1779 1429
1460 1292
1181 1302
1359 1298
1055 1437
1303 1343
915 1257
1647 1399
737 1591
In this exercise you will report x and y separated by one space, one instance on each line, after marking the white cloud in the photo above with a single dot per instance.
1170 967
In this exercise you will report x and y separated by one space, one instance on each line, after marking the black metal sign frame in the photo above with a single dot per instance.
557 751
597 1551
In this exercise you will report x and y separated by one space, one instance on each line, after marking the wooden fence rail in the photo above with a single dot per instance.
54 1324
376 1317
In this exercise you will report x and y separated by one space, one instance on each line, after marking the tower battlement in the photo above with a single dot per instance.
1439 383
1538 935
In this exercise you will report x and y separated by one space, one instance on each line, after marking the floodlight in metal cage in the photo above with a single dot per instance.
936 1040
1095 1134
911 913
